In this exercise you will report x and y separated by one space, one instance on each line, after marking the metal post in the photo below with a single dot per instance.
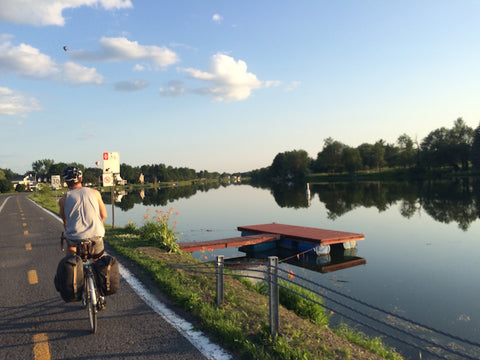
112 195
273 294
219 273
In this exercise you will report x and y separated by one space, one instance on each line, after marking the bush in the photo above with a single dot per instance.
20 188
157 230
5 185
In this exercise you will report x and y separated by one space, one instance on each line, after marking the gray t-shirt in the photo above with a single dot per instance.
83 215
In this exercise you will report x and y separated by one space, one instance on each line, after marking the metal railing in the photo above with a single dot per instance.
400 329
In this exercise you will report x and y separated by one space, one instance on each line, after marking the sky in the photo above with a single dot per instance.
227 85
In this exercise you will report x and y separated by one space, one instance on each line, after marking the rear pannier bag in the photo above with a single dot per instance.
69 279
107 275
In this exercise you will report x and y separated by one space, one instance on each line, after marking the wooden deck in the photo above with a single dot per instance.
226 243
272 232
304 234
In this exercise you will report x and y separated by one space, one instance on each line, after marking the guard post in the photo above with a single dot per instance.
273 294
219 274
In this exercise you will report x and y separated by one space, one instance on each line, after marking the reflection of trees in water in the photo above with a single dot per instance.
445 201
452 201
159 196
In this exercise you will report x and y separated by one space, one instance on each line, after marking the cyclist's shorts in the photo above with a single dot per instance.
98 244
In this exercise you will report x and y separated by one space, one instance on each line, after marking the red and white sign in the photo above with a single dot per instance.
107 179
111 162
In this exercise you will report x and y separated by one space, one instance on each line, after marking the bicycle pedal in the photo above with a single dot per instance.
101 303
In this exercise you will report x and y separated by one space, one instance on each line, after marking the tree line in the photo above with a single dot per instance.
43 170
457 148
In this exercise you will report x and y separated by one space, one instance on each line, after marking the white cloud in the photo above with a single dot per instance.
48 12
122 49
27 61
14 103
217 18
79 74
227 79
132 85
174 89
293 85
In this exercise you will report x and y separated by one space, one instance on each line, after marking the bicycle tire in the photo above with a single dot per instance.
91 306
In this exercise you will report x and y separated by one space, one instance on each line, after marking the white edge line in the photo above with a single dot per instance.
3 204
197 338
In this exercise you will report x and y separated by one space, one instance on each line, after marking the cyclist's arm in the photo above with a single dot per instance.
61 203
101 205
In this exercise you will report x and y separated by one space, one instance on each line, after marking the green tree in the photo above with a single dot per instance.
351 159
460 142
92 175
42 167
5 185
290 165
434 148
475 154
330 158
367 155
406 155
379 154
448 147
20 188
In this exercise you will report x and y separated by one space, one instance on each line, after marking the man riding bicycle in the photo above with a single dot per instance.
83 213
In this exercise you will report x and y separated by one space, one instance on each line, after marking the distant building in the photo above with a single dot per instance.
119 180
28 181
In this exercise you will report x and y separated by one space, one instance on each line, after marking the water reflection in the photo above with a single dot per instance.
455 201
157 196
338 259
445 201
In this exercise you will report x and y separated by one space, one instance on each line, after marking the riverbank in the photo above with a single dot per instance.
241 325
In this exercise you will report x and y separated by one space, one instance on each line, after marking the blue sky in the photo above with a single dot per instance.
227 85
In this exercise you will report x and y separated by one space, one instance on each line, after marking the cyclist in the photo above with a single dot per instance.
83 213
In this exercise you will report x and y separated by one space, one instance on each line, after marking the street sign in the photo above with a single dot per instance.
55 182
107 179
111 162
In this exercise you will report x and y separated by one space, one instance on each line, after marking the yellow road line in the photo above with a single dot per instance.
25 232
41 349
32 277
24 224
28 246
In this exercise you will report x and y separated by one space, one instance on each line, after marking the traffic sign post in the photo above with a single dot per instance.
55 182
111 168
111 162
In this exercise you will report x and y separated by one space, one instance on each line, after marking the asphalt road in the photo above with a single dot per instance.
35 323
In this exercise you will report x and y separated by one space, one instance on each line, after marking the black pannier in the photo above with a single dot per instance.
69 279
107 275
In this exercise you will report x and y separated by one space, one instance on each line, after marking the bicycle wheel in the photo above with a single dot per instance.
91 306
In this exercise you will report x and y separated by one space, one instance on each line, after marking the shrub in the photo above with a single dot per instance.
157 230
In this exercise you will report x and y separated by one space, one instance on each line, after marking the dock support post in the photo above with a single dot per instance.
219 275
273 294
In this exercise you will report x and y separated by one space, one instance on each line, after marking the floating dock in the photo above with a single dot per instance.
267 236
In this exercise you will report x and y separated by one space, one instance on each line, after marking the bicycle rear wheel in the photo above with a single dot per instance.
91 305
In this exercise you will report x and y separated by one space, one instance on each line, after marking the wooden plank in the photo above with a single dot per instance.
304 234
226 243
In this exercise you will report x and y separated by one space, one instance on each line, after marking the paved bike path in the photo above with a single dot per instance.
35 323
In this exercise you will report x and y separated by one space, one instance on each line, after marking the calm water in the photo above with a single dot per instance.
421 242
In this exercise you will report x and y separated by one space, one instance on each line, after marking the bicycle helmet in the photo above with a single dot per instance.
72 173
